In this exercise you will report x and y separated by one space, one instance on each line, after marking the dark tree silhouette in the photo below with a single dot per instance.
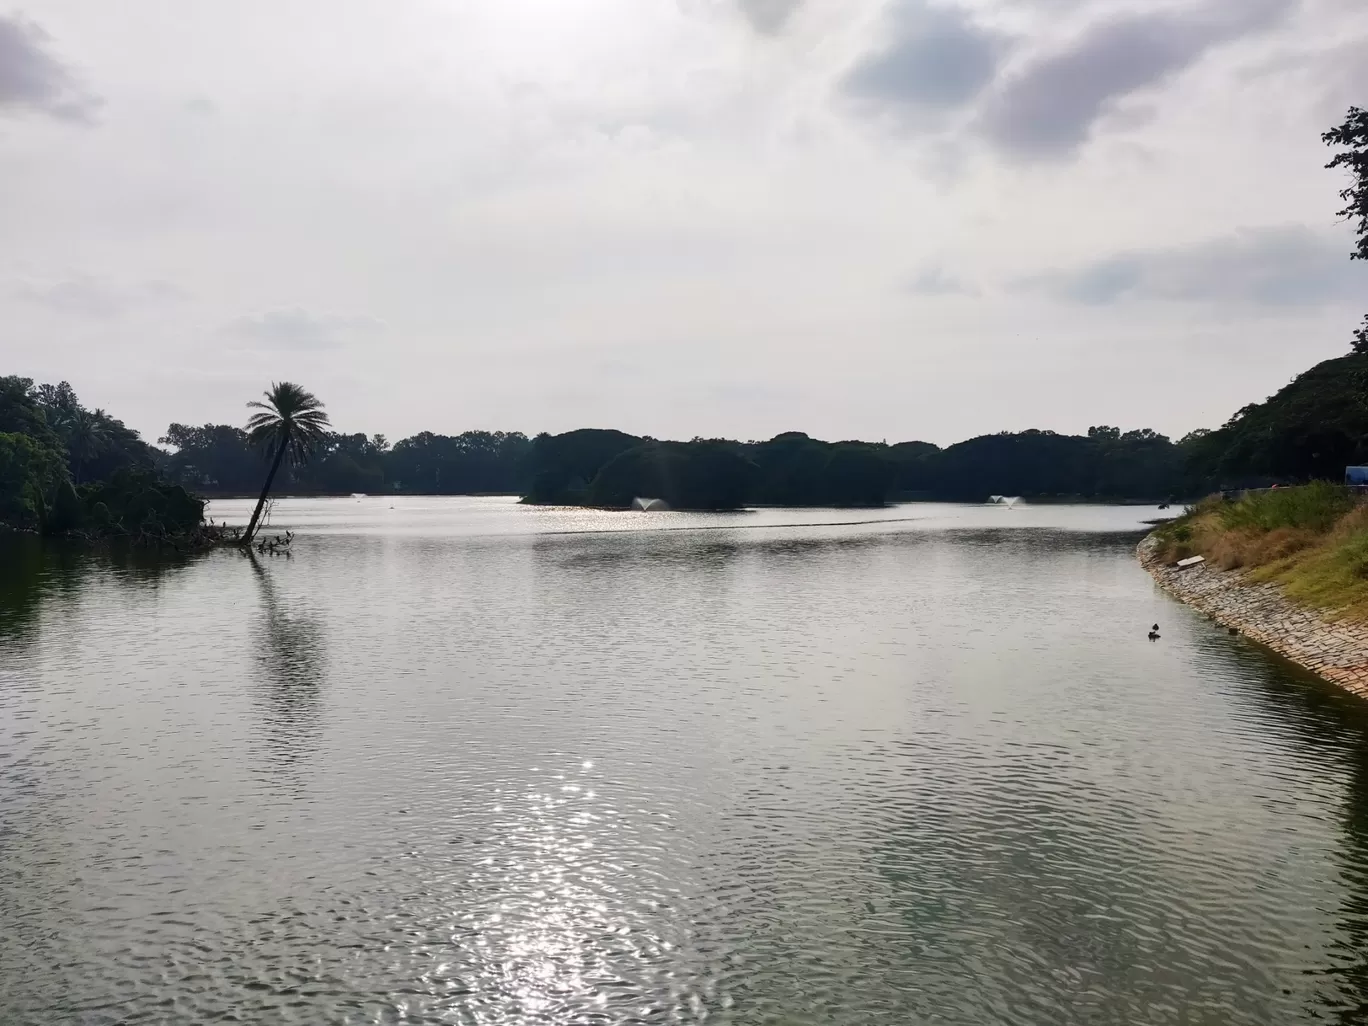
1352 139
291 421
86 437
1361 337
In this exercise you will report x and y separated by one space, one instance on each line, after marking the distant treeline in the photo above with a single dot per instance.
610 468
217 458
62 463
1311 429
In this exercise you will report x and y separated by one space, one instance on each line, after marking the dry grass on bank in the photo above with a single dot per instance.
1312 540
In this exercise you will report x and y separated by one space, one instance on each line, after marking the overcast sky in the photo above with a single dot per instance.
858 218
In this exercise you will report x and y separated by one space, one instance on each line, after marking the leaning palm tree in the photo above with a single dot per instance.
291 421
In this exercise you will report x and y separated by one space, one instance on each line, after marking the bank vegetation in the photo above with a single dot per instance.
1310 540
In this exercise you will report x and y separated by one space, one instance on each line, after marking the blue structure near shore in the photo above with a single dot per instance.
1356 477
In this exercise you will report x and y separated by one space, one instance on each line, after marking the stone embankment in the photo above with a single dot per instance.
1337 651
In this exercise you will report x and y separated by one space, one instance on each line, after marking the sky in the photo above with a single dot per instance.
877 219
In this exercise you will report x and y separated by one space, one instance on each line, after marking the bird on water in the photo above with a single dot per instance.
1154 633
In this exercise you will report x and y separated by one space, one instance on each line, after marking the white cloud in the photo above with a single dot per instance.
1284 265
296 330
32 79
1051 104
935 280
85 295
714 193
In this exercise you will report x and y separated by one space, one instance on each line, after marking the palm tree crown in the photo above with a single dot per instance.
289 416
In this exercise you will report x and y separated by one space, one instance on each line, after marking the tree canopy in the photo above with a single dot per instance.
50 443
1351 138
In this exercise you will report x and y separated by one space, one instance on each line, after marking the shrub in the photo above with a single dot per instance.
1313 507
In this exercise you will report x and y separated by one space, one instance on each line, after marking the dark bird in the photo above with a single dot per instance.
1154 635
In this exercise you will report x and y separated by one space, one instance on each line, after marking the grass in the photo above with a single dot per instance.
1312 540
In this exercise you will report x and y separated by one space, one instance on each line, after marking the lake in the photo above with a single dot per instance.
460 761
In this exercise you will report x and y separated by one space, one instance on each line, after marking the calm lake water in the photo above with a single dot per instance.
458 761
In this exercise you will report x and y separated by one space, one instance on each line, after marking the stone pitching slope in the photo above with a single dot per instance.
1337 651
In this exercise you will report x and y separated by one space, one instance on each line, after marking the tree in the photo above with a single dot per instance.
31 473
86 437
22 412
1352 138
564 465
217 456
702 474
291 421
856 475
60 400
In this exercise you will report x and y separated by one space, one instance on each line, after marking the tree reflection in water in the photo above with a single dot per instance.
290 654
1334 725
35 572
1351 975
21 589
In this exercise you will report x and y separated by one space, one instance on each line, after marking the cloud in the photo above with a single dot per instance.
1334 75
1277 266
87 296
32 79
297 330
1049 106
936 281
938 58
768 16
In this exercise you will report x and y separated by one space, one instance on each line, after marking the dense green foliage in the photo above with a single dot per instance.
31 472
1351 139
68 470
789 469
470 463
687 475
1104 464
138 504
563 466
1312 428
92 443
609 468
219 458
215 457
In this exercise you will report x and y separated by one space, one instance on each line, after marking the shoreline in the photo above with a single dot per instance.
1335 651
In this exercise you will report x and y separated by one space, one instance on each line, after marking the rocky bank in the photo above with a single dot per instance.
1337 651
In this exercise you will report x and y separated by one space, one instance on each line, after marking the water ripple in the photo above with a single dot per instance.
912 772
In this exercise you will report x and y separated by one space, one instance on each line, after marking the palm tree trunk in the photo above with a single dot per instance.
266 488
